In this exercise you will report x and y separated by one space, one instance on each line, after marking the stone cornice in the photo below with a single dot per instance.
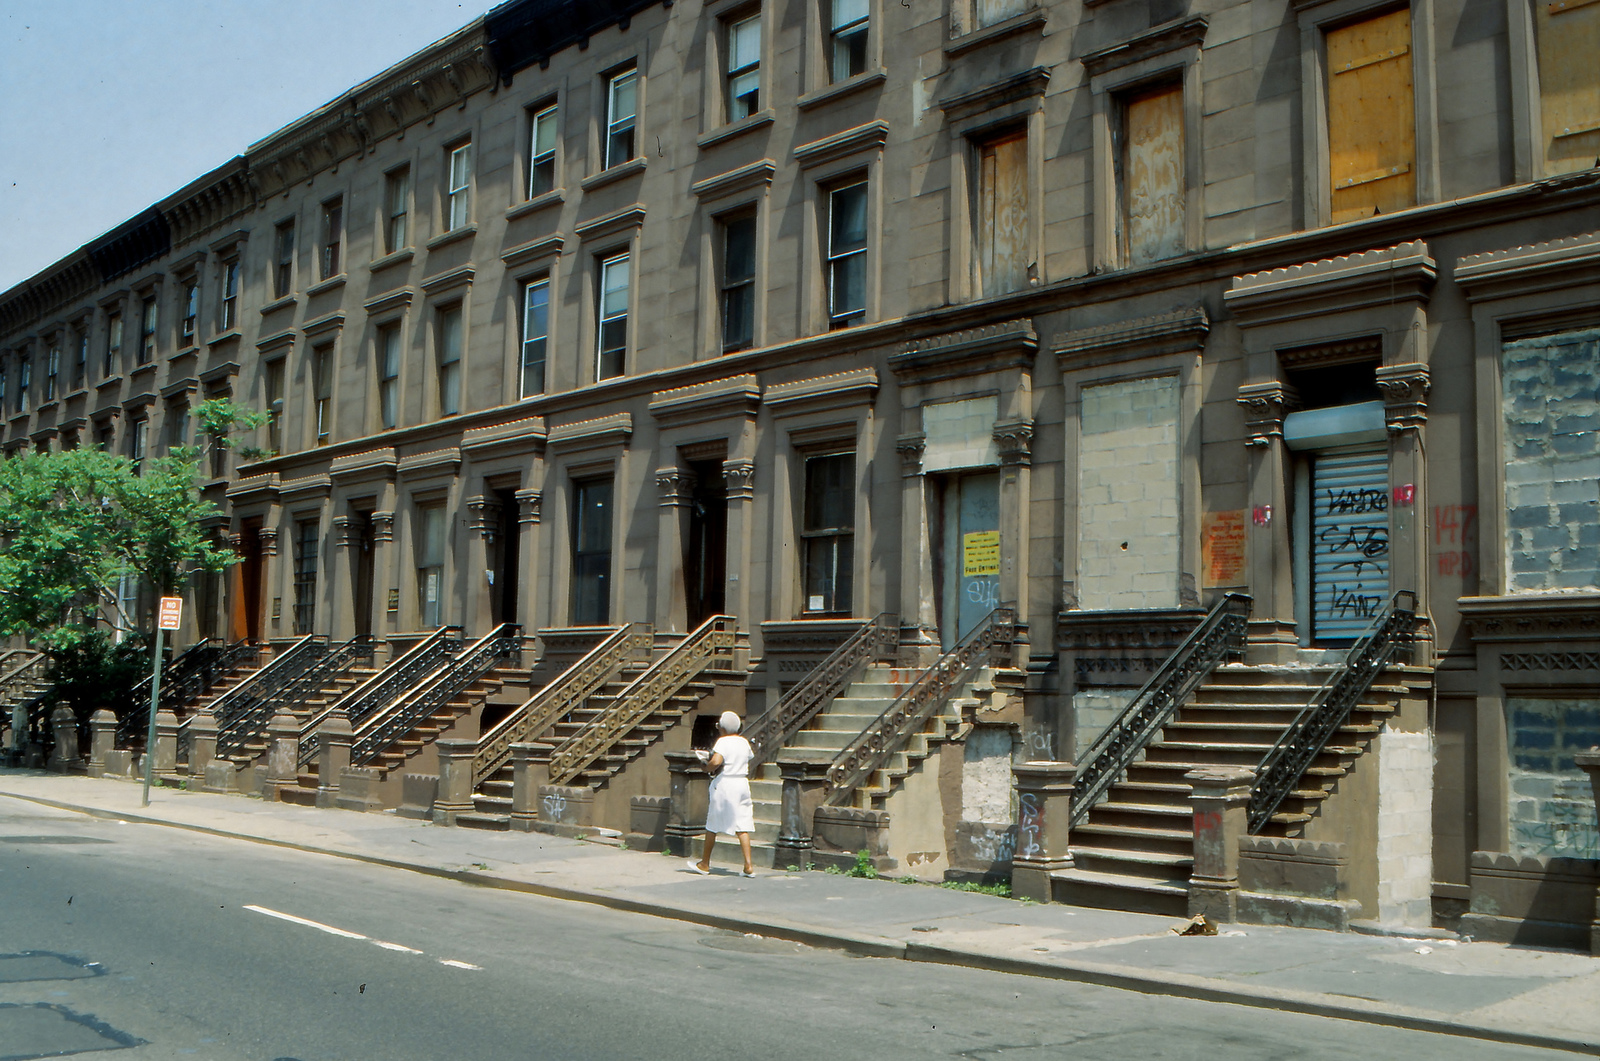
1536 267
253 489
1164 333
532 251
497 440
430 465
839 390
306 488
1138 631
869 137
1163 39
379 464
613 430
607 225
738 396
756 174
1028 84
1532 617
1009 344
1381 276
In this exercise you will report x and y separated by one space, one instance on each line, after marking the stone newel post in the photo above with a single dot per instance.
805 786
202 744
166 750
103 738
65 723
1044 808
686 821
1220 797
283 755
336 737
455 779
530 768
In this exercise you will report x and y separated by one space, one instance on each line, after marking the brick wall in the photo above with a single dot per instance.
1128 495
1551 400
1551 803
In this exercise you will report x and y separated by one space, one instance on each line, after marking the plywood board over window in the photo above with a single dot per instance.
1372 120
1568 37
1151 164
1003 214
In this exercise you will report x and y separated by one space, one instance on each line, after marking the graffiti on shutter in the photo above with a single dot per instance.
1349 543
1371 117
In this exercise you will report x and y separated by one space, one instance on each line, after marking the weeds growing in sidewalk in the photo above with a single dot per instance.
1000 888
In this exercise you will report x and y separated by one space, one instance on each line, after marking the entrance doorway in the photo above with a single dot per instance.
361 575
967 530
252 573
705 552
503 605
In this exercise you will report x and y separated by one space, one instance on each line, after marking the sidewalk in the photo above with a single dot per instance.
1479 990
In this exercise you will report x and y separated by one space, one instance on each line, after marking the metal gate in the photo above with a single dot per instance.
1349 543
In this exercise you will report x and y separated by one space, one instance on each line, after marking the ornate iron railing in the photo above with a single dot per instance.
243 709
26 670
1219 635
989 643
1282 768
569 690
874 642
502 643
23 697
329 669
188 677
709 647
388 685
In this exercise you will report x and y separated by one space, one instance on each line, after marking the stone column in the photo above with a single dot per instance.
530 768
103 738
283 755
673 486
529 506
64 757
1044 809
384 577
739 475
202 744
919 628
455 779
686 821
1014 442
805 786
347 539
166 749
1589 763
484 524
336 737
271 579
1220 797
1272 625
1405 400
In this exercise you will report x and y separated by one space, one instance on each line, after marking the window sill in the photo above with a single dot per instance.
225 337
842 89
455 235
47 407
75 394
276 304
146 369
553 197
17 418
988 34
399 257
332 283
108 382
620 171
733 130
188 351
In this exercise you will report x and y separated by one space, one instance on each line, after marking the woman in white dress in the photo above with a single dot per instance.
728 809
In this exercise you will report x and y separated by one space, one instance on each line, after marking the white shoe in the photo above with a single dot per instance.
743 873
694 867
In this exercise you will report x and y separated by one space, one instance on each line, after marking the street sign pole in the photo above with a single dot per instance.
168 617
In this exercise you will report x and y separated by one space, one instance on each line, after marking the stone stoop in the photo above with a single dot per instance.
1136 850
302 711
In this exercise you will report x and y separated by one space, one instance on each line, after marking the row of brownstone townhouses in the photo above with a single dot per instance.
928 382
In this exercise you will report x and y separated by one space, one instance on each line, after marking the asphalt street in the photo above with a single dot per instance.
152 943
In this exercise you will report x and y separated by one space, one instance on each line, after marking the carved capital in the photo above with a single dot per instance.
740 476
910 448
1014 439
673 485
485 516
347 532
236 542
268 537
1405 396
382 527
528 506
1265 405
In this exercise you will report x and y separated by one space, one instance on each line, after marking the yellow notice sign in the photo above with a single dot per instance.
980 553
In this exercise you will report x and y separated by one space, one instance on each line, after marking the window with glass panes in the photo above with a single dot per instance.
229 316
322 393
80 362
450 361
458 199
622 104
542 152
2 387
113 346
283 261
274 396
389 376
743 87
430 565
613 317
738 281
138 442
535 333
306 541
147 331
847 255
24 383
191 312
397 205
591 552
847 38
332 236
52 369
827 532
177 425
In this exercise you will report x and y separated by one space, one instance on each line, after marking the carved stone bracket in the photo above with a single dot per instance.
740 476
269 540
485 516
382 527
1405 396
910 448
674 486
528 506
1014 439
1265 405
347 532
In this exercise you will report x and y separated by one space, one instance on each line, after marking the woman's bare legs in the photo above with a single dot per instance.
711 839
744 845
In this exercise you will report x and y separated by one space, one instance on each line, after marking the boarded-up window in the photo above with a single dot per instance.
1568 35
1003 253
1150 175
1371 117
988 12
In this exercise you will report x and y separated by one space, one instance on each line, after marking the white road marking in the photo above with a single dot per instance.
395 946
458 965
309 924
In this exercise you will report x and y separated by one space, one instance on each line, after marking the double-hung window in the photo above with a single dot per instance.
306 539
397 204
827 532
2 387
458 197
542 152
191 312
229 316
389 376
274 396
138 442
430 565
322 393
332 236
283 261
613 317
24 383
113 346
738 282
80 362
147 331
847 37
622 106
535 333
177 425
52 369
450 361
847 255
743 86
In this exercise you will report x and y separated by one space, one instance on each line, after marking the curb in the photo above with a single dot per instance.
1119 977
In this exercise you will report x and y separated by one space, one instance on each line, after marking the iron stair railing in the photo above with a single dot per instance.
569 690
1282 768
874 642
709 647
190 675
388 685
26 669
23 697
989 643
1220 635
490 651
329 669
242 710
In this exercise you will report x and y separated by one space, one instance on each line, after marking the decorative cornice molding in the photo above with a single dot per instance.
270 343
739 396
607 225
1382 276
1162 40
526 435
840 390
756 174
992 348
305 488
393 300
1141 631
430 465
1535 267
1028 84
613 430
1164 333
379 464
328 323
869 137
459 277
1532 618
532 251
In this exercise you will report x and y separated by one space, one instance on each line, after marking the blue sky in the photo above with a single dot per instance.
107 106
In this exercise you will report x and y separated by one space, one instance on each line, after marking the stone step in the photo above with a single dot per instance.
1082 887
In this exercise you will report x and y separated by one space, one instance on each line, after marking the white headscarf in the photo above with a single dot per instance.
729 722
